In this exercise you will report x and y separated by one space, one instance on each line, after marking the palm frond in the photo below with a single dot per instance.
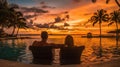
110 23
95 22
99 16
117 2
115 16
107 1
105 17
19 14
21 19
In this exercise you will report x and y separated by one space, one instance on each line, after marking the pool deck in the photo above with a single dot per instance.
112 63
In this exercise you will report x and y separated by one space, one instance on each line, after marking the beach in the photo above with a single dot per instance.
111 63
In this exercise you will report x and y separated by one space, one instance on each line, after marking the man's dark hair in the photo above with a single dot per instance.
44 35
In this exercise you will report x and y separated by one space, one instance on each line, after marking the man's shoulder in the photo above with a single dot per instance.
35 43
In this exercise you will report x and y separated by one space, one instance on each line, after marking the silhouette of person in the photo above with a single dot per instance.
69 41
43 42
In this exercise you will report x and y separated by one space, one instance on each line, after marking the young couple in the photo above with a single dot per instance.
44 36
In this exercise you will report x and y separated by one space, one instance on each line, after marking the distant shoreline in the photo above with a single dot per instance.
61 34
81 35
28 36
22 37
103 36
49 34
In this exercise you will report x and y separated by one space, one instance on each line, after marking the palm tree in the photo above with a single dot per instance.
3 4
21 23
6 14
107 1
3 18
9 17
115 18
98 17
16 14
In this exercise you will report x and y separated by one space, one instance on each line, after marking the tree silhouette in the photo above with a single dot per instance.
9 17
115 18
99 17
21 22
5 14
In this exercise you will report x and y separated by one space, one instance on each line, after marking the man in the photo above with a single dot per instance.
43 42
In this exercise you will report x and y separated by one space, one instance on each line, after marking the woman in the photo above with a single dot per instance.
69 42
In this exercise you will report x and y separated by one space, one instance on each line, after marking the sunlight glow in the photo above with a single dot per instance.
74 22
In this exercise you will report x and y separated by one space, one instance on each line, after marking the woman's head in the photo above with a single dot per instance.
69 40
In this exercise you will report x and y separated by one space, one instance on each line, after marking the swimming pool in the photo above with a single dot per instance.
17 49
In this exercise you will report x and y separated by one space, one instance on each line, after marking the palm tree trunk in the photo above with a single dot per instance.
100 51
17 31
117 35
13 31
117 3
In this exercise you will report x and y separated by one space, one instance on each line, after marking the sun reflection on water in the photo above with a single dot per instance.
87 56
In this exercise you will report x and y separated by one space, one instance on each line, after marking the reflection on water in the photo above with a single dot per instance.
10 50
17 49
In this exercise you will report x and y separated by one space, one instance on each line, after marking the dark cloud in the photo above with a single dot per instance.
45 6
42 2
86 14
30 16
66 12
52 26
58 14
34 9
14 5
47 25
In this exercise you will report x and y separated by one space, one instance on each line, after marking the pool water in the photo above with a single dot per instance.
17 49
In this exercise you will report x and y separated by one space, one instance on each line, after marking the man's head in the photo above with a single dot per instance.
44 35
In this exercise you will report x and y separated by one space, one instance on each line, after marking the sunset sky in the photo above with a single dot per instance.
78 10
